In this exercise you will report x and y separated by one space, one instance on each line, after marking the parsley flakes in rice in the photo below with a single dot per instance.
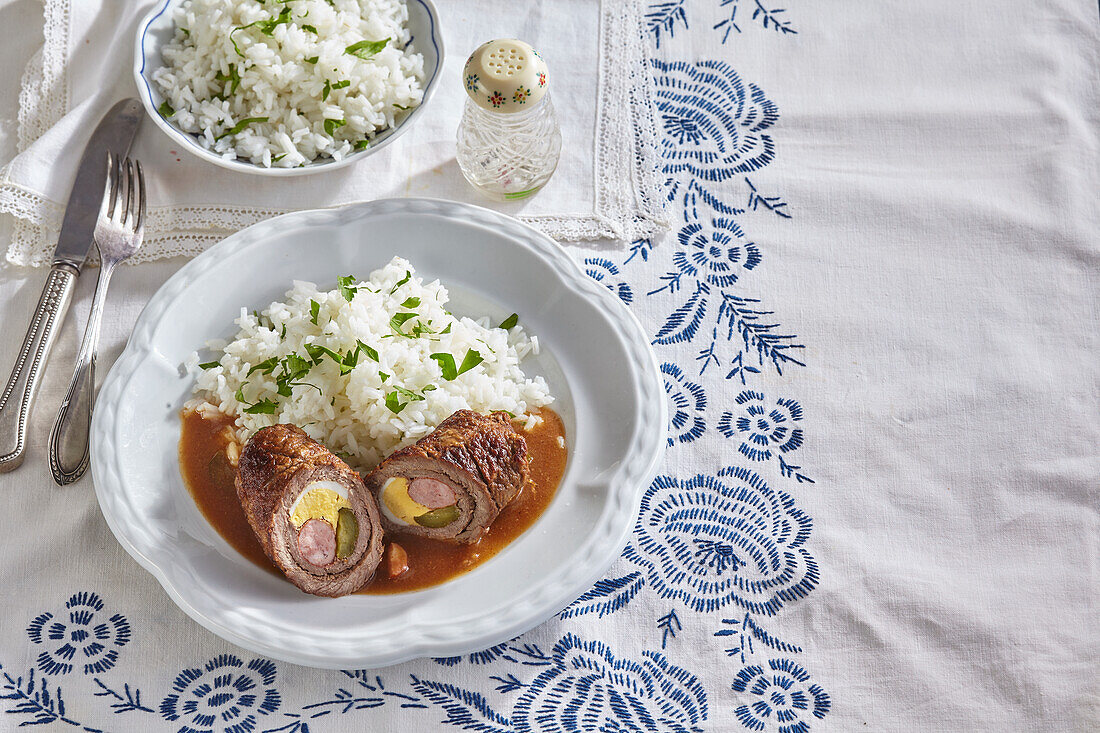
367 367
284 83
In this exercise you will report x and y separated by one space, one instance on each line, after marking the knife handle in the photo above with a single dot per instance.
18 395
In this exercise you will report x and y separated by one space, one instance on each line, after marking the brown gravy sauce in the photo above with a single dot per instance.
431 562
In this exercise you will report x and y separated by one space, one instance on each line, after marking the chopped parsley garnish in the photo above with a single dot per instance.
411 302
326 90
399 319
266 26
345 283
341 84
239 394
509 322
446 330
283 334
402 281
393 399
240 126
471 360
209 364
234 79
266 366
314 310
165 109
366 49
401 107
316 352
368 350
361 144
383 376
263 407
296 366
346 362
276 159
309 28
312 59
447 363
331 125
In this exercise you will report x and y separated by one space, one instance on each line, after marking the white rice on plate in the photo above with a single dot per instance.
378 405
284 83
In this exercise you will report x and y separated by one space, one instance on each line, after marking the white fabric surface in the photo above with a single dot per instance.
939 163
86 63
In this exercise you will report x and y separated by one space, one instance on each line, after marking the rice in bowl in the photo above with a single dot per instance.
284 83
364 368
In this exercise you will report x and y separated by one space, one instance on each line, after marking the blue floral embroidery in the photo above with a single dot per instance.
763 427
711 541
712 257
747 631
80 635
717 253
606 597
774 204
224 697
586 688
639 247
662 17
714 124
688 402
769 18
602 270
493 653
779 696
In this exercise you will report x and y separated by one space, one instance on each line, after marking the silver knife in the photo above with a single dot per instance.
115 133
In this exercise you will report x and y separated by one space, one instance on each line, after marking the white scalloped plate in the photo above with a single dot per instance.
594 355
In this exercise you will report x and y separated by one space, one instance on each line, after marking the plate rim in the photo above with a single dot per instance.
607 539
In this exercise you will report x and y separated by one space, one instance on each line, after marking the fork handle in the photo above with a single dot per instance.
18 396
69 437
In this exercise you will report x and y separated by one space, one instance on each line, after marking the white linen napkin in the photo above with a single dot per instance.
604 187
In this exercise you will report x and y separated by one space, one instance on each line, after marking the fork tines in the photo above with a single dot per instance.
128 187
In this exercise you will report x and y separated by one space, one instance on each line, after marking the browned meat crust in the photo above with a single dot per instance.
274 468
481 456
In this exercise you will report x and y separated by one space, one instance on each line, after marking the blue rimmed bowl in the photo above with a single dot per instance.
157 29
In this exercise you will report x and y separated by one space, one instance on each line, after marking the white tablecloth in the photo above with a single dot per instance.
908 193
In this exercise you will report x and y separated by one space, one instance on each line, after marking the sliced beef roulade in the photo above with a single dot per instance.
453 483
310 510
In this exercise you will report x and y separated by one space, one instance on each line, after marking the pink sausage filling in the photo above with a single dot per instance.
317 542
431 493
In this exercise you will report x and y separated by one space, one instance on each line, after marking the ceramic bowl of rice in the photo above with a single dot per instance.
291 87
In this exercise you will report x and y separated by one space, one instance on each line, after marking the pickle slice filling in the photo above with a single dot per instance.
347 533
438 518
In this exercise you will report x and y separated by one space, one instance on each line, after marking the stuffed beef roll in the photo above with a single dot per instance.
310 510
453 483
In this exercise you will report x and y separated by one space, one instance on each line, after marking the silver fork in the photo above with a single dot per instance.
118 234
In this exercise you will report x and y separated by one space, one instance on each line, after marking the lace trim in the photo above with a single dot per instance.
44 94
625 145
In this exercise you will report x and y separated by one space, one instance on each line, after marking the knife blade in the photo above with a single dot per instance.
115 133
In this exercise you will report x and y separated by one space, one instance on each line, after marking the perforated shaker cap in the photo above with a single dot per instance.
505 75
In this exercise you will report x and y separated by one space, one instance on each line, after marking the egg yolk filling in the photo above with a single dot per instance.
320 500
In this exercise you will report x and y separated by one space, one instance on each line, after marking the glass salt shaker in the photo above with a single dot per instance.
508 140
